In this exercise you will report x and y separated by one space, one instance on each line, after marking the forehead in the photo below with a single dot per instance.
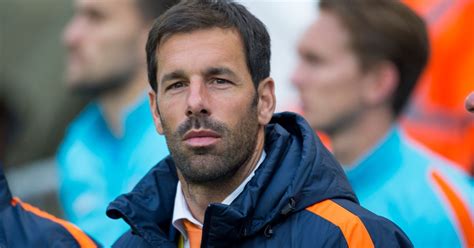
107 6
202 48
326 33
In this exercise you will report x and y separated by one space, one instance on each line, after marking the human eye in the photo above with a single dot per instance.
175 86
312 59
220 82
93 15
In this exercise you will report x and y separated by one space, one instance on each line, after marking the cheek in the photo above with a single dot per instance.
230 111
120 52
342 92
167 116
110 42
172 111
333 90
233 111
97 40
321 87
97 51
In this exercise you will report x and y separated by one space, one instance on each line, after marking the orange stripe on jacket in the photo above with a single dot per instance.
352 228
81 237
461 212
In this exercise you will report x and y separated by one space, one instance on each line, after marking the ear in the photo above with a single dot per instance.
266 100
381 82
155 111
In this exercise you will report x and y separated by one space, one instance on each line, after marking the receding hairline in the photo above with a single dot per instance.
168 36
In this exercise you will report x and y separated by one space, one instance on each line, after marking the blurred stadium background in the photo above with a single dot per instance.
31 83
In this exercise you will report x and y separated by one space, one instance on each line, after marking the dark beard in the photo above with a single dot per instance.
97 88
215 164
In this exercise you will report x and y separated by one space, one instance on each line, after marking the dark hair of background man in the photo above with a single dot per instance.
385 30
151 9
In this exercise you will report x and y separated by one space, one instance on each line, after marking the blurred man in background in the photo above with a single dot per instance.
22 225
112 143
359 64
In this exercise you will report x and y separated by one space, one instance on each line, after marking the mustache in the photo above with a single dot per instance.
198 122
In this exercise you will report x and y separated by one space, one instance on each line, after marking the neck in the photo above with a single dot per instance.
198 197
364 133
115 102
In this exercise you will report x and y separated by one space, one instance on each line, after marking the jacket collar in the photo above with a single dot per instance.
297 172
148 209
5 195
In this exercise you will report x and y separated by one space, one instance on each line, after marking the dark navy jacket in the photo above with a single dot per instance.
24 226
298 197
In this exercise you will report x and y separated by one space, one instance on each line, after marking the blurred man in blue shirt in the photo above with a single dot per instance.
112 143
358 66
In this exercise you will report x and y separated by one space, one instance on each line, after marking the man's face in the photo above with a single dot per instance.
206 104
328 76
105 41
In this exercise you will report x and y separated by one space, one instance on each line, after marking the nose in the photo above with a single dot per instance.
297 77
72 33
197 99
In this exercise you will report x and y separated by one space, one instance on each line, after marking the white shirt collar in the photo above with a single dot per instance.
182 212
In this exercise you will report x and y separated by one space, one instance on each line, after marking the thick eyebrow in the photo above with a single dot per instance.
179 74
213 71
216 71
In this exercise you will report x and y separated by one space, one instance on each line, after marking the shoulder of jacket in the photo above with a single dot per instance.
360 227
351 226
60 232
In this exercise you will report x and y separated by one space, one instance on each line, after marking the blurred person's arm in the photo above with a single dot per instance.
82 197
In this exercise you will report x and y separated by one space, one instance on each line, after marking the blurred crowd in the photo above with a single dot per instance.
386 90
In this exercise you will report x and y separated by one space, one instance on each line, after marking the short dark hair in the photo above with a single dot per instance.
193 15
385 30
152 9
